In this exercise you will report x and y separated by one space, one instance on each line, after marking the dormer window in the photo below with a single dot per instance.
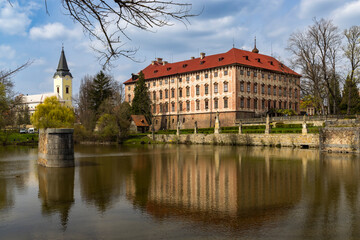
155 71
246 57
169 68
257 59
221 58
202 62
184 65
271 62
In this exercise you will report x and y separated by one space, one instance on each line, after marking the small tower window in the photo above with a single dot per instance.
67 89
57 89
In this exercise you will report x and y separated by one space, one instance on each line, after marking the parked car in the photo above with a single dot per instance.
23 130
31 130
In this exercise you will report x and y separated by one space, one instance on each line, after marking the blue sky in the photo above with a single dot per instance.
28 33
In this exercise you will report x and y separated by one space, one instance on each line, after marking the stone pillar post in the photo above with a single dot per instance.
304 127
240 127
56 147
267 126
195 128
178 129
217 124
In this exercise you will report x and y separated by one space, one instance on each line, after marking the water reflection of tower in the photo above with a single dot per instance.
56 190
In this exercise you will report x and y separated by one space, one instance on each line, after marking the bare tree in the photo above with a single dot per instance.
352 53
315 54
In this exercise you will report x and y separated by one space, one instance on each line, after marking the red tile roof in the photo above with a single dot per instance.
139 120
233 56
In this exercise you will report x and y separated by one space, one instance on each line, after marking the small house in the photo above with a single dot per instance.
139 124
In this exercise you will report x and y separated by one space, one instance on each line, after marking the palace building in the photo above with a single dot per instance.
237 84
62 87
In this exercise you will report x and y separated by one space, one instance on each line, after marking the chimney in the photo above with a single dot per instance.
159 60
165 62
202 55
152 62
192 58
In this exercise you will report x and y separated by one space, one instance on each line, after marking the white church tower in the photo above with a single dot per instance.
63 81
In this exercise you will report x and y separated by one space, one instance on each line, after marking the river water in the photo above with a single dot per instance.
181 192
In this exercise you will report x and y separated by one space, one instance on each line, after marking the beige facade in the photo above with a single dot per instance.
234 90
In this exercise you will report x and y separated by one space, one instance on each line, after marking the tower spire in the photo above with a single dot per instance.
255 50
62 69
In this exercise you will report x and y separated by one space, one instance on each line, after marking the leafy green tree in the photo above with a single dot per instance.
350 91
4 105
141 103
101 89
51 114
107 127
123 114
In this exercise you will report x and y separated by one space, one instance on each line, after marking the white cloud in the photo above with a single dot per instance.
6 52
348 14
55 31
13 18
316 8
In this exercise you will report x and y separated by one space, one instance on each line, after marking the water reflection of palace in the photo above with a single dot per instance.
219 183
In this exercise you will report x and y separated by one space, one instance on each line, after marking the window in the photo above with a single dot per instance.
262 75
57 89
216 88
263 89
154 83
280 92
216 103
248 102
280 105
242 86
225 72
206 75
255 74
225 86
172 80
255 88
184 120
180 92
129 98
269 90
225 102
215 74
269 104
274 90
295 93
160 83
187 79
263 104
206 89
248 87
129 88
197 90
248 73
154 95
197 77
180 106
172 93
148 85
285 105
187 91
160 94
241 72
154 108
187 105
255 103
274 77
166 107
166 81
242 102
166 93
161 108
206 104
197 104
269 76
173 107
180 79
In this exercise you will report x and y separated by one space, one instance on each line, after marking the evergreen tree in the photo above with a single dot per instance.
352 91
101 89
141 103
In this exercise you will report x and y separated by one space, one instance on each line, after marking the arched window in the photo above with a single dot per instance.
160 94
242 102
180 92
166 107
255 87
187 105
274 90
242 86
172 93
226 87
187 91
154 95
206 104
197 104
216 90
206 89
255 103
216 103
248 105
197 90
166 93
172 106
180 106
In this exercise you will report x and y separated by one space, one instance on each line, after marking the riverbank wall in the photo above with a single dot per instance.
283 140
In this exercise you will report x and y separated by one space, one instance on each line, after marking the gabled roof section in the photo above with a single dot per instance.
140 120
233 56
62 69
